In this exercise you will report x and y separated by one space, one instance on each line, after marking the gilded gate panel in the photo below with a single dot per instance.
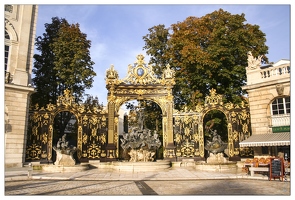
189 130
91 130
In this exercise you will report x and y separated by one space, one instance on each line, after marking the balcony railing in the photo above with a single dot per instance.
275 71
280 120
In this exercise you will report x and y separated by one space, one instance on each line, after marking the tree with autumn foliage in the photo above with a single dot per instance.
206 52
64 62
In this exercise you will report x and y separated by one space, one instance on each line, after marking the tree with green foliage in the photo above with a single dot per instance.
206 52
152 115
64 62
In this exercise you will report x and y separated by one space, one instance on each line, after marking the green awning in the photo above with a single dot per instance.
272 139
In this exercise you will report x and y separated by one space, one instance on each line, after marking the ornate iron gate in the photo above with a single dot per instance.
189 128
91 130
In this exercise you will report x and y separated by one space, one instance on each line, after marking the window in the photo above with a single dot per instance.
281 106
6 50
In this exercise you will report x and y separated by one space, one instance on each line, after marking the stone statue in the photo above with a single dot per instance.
64 152
216 145
215 148
142 145
140 120
58 145
253 63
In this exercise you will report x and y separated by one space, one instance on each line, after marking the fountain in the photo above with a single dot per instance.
64 153
141 146
64 158
216 160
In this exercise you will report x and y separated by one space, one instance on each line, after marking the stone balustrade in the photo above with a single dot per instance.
280 120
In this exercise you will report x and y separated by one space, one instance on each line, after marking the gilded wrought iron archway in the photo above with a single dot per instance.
91 130
140 84
189 130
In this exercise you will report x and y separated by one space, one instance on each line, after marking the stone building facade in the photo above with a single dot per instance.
268 88
20 30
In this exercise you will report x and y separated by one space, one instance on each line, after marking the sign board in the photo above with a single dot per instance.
280 129
276 168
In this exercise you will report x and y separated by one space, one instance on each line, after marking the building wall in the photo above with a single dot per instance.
264 84
20 24
260 101
262 90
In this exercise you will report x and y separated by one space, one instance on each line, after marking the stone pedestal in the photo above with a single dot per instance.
216 158
64 159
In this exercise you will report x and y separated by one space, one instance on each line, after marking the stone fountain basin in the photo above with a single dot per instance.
62 168
230 165
141 166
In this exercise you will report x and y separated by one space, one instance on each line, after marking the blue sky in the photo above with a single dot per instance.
116 31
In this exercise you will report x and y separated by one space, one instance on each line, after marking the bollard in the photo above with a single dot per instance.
30 170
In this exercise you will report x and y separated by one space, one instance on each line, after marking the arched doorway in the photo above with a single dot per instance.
145 116
215 121
140 84
65 124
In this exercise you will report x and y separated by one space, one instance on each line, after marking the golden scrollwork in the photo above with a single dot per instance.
187 119
93 151
188 149
140 73
235 135
245 128
84 139
93 120
196 118
103 138
177 121
112 73
236 151
244 115
168 72
50 107
229 106
44 138
165 135
79 142
81 108
85 120
35 130
67 99
214 98
177 138
33 152
199 108
187 131
196 137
